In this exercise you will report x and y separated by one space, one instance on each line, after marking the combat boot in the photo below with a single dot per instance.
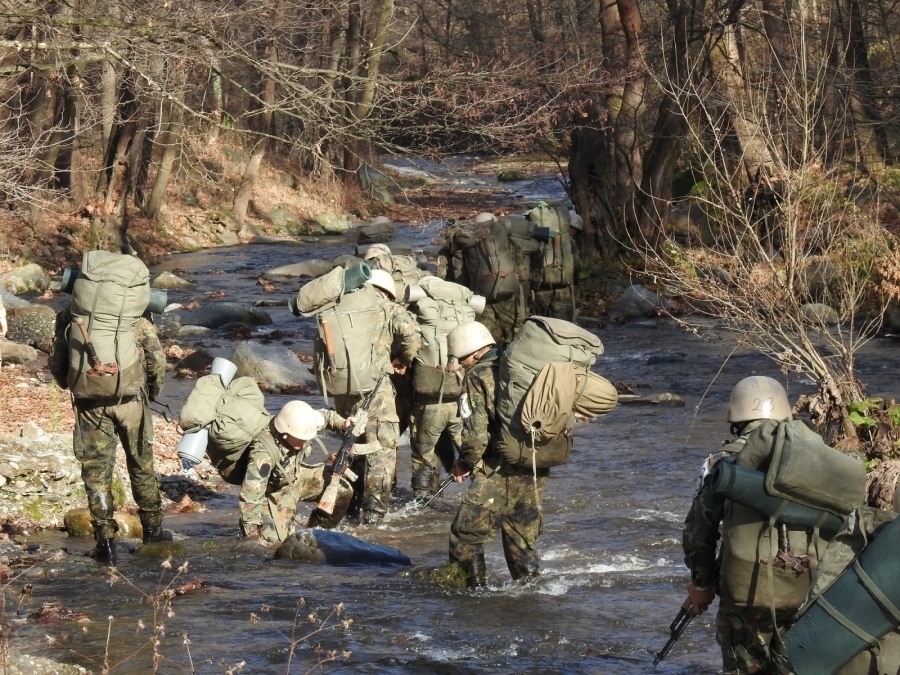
154 533
105 551
367 517
476 571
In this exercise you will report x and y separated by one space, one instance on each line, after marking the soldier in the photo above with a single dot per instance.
501 495
99 423
276 481
756 604
395 343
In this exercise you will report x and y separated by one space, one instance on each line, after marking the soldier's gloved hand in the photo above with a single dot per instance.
700 598
460 471
399 368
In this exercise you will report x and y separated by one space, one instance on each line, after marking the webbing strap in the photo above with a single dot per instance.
877 593
845 622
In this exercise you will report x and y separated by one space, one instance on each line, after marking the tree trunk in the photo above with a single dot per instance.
170 139
245 189
351 65
376 50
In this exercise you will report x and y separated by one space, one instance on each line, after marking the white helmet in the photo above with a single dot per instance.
376 250
758 398
299 420
385 282
468 338
485 217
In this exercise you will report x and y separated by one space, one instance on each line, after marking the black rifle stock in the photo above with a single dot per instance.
676 628
341 464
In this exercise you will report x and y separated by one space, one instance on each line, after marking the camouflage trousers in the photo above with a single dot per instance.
500 497
504 319
558 303
430 422
751 643
99 425
306 485
372 491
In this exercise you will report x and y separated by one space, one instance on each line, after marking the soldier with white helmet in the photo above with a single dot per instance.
758 593
280 474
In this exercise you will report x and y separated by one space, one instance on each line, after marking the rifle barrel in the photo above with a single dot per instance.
443 486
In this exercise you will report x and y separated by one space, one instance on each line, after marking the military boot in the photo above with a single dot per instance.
476 571
153 533
105 551
367 517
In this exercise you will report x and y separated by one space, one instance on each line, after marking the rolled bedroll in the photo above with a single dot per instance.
747 487
859 608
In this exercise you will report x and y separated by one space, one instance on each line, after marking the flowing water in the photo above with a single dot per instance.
613 576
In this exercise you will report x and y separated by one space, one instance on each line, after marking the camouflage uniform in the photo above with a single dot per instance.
397 338
99 423
272 488
501 496
750 642
430 421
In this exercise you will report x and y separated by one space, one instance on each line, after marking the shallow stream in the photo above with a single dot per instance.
613 576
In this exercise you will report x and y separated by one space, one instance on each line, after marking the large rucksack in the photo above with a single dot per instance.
541 340
443 310
521 232
234 416
489 264
111 293
343 351
558 267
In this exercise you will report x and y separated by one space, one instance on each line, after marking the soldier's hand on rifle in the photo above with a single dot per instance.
460 471
399 368
700 598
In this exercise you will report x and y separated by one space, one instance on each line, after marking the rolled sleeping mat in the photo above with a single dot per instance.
847 617
747 487
192 447
356 276
477 303
544 233
414 293
158 300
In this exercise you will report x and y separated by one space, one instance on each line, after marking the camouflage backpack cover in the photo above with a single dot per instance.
541 340
558 268
111 293
489 266
234 416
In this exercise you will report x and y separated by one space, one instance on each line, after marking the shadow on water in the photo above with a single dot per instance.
613 576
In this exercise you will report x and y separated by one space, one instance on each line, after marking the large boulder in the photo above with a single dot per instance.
220 313
30 278
13 352
286 220
275 365
327 547
638 303
11 301
307 268
168 324
170 281
331 223
31 324
818 313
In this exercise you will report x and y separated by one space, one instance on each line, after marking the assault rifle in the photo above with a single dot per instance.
441 488
676 628
340 467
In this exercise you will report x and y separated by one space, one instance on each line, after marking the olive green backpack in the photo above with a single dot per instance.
559 264
110 294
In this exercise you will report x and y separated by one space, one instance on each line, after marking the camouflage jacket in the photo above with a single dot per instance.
478 408
264 476
397 337
702 526
146 335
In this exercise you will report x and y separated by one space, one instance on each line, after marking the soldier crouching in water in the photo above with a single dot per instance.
101 423
501 495
756 600
278 476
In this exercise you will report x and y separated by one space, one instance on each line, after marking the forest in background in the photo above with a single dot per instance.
739 154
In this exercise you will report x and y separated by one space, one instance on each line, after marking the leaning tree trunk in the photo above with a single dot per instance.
170 139
115 181
245 189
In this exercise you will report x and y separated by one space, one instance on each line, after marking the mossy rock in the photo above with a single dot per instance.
162 549
450 575
78 524
510 175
